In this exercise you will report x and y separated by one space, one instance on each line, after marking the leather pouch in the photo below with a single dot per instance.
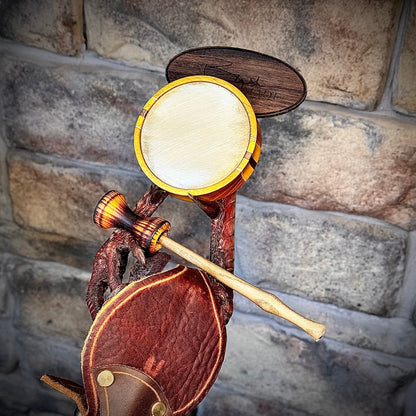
163 334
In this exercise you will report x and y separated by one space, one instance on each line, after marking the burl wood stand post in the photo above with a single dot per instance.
157 340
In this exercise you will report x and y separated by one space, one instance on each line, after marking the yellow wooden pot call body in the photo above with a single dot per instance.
152 234
198 136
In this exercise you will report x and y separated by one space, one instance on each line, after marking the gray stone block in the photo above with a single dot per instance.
80 109
342 51
42 353
405 86
58 196
20 394
8 356
70 191
410 398
226 402
5 211
12 412
351 262
395 336
48 24
218 402
297 377
326 159
407 305
46 246
50 299
35 413
5 300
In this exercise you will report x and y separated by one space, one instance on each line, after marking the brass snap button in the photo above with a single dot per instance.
105 378
158 409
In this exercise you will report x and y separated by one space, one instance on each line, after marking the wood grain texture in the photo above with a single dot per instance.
272 86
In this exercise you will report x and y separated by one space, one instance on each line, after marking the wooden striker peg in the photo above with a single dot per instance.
152 234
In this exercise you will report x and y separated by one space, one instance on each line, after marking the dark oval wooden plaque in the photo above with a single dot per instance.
272 86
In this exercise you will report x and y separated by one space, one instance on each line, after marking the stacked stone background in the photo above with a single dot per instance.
327 221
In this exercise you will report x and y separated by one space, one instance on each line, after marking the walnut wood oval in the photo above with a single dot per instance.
272 86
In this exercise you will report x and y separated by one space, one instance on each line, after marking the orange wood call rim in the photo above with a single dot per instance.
175 142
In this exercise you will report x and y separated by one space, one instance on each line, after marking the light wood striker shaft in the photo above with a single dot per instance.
265 300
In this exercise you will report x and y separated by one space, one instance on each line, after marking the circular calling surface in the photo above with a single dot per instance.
195 135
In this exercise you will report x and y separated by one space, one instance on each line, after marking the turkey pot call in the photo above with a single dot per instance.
198 137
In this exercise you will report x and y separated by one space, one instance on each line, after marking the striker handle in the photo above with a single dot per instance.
265 300
112 211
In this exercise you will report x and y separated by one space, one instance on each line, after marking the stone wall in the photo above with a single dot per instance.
327 221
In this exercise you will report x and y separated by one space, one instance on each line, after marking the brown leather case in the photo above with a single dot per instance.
167 326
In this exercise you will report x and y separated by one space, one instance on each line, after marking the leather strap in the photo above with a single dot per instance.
126 391
70 389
